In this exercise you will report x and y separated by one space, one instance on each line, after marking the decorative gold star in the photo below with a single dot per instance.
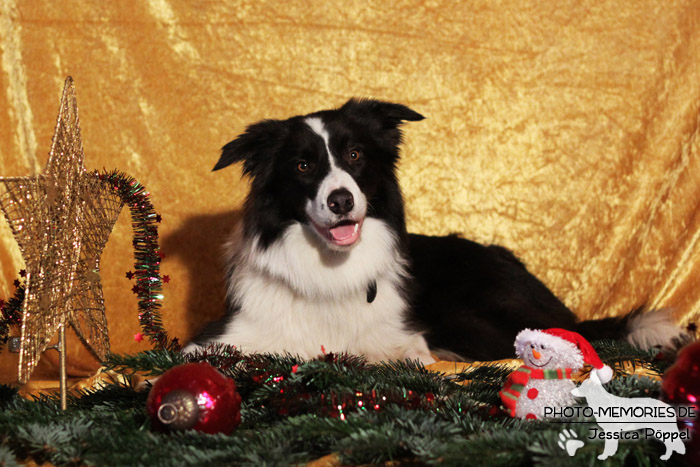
61 220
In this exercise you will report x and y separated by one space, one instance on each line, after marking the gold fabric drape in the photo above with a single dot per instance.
564 130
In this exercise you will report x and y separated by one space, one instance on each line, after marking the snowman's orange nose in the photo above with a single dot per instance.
536 354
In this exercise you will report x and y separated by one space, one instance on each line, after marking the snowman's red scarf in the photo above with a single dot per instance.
520 377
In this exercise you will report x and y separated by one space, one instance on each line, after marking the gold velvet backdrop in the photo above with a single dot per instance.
566 130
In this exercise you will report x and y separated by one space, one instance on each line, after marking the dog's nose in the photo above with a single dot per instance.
340 201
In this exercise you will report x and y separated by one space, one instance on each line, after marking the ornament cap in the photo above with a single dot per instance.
179 410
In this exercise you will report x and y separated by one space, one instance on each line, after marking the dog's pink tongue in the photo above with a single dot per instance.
345 234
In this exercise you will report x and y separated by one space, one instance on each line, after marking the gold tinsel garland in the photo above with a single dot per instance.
61 220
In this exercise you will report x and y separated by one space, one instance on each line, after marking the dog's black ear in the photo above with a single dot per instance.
259 141
390 115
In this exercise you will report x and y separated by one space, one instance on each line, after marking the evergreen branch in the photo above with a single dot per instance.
149 362
295 411
617 353
7 457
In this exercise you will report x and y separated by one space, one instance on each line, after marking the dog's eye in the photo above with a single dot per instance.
302 166
355 155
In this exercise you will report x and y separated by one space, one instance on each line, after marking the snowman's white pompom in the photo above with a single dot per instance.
604 374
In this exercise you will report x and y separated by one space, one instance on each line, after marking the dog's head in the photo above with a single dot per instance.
328 170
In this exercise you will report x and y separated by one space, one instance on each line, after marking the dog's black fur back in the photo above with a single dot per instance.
474 299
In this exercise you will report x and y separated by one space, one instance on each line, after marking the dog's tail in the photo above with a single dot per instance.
641 328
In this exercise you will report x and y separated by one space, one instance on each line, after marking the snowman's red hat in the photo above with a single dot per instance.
604 372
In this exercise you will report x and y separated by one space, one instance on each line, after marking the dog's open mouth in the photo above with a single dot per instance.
344 233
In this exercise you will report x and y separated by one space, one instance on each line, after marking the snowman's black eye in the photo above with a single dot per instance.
543 346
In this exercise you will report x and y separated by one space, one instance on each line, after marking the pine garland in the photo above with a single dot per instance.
296 411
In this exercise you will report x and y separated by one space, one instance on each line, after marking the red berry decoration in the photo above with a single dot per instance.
681 387
194 396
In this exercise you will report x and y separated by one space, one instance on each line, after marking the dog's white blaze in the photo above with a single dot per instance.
337 178
297 295
316 124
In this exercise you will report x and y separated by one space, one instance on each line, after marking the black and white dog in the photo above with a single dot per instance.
322 260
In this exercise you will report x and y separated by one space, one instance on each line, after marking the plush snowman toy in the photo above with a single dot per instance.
550 356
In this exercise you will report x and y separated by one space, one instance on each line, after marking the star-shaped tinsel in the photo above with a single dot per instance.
61 220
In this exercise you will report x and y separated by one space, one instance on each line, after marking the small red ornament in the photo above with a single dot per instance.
194 396
681 387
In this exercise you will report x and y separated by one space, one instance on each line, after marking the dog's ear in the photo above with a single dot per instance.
388 114
258 143
383 119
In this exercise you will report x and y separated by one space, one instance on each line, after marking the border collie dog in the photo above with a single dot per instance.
322 261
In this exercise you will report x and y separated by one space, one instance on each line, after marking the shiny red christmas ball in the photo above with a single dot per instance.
194 396
680 387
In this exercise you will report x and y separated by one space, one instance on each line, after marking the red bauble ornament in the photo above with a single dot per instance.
194 396
681 387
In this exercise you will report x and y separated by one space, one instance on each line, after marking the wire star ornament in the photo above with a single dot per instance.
61 220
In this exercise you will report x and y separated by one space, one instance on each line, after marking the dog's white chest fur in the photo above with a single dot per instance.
299 297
